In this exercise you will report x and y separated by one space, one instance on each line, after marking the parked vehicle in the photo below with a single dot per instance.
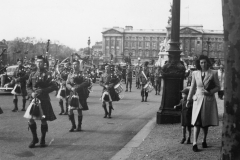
7 77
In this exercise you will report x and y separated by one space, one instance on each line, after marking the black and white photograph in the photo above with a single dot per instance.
120 80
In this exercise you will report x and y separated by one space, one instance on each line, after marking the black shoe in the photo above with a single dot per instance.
195 148
73 128
156 93
23 109
188 141
204 145
15 110
61 113
183 140
42 143
126 91
65 113
34 141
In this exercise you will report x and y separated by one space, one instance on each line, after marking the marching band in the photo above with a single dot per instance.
73 84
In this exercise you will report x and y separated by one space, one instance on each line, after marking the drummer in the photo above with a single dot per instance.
144 78
108 80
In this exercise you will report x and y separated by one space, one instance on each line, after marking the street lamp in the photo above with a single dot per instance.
89 42
208 45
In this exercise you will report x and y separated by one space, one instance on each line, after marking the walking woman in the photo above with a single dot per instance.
204 85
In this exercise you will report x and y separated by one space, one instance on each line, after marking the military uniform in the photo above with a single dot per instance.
20 76
143 82
128 79
40 83
137 73
157 81
80 84
63 78
110 80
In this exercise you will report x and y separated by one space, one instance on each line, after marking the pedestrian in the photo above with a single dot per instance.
78 86
137 73
20 77
39 85
128 78
108 80
157 80
186 116
205 112
221 76
144 79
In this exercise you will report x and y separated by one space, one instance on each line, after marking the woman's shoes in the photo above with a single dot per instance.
183 140
195 148
204 145
188 141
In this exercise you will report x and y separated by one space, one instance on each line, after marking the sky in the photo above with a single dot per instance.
71 22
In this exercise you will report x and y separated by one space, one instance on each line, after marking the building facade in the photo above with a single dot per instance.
146 44
97 53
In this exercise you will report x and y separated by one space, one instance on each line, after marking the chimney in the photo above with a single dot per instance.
129 27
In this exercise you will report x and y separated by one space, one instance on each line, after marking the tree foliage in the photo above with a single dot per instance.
30 47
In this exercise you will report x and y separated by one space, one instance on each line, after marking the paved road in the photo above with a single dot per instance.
100 139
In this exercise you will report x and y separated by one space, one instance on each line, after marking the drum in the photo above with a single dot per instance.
148 87
118 88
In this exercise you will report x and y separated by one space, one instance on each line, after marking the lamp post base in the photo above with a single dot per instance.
167 118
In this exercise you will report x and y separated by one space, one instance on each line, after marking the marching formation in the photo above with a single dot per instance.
73 84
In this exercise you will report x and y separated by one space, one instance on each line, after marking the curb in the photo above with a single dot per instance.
125 152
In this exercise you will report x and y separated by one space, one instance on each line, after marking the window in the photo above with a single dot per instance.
147 44
112 42
126 44
107 43
133 44
140 44
118 43
154 45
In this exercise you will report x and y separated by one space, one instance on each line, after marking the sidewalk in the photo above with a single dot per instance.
163 143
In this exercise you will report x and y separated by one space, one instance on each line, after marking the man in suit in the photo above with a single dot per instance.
144 78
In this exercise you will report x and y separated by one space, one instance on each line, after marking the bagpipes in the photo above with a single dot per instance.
74 102
17 89
62 92
34 110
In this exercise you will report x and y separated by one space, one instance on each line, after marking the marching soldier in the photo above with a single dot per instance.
108 80
118 73
138 71
78 85
157 80
20 77
128 78
144 78
65 92
39 85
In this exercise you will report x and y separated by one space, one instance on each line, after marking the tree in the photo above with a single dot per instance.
231 119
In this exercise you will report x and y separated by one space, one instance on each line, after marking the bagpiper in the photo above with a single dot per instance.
39 85
144 78
78 86
64 91
20 77
108 80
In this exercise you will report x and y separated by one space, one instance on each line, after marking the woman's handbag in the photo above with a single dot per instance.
211 85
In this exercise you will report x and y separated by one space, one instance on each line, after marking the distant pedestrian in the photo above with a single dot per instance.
128 78
186 116
221 75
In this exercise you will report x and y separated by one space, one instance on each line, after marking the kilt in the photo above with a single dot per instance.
48 110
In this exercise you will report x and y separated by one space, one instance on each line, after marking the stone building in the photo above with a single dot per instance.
146 44
97 53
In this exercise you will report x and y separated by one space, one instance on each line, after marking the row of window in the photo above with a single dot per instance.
146 38
141 44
